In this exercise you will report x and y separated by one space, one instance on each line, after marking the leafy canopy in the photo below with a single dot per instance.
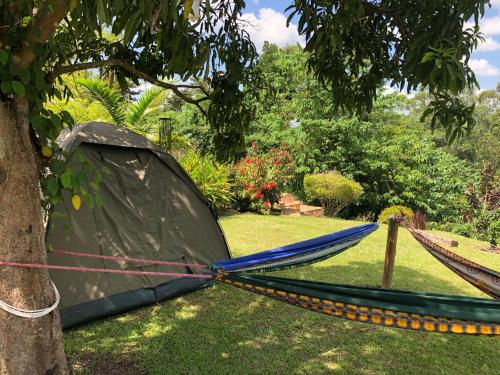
129 40
353 47
357 45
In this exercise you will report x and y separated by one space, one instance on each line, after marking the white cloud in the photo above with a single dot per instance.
483 67
490 25
495 3
270 25
488 45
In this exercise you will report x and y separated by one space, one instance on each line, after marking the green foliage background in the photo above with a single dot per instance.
395 159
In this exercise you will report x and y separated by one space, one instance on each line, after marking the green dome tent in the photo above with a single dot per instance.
151 210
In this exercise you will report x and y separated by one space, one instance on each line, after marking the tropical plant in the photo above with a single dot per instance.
212 177
396 210
123 113
136 115
332 190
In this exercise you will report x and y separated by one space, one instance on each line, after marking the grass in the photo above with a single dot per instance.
224 330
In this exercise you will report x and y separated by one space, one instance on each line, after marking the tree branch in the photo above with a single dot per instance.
45 21
130 69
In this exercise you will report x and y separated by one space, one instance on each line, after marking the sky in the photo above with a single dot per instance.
268 22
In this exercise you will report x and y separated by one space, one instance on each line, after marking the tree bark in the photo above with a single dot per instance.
27 346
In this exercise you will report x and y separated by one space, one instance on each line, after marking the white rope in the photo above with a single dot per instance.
32 314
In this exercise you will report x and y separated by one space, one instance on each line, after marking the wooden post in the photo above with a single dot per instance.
390 252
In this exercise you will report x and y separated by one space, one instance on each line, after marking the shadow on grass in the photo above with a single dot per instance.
224 330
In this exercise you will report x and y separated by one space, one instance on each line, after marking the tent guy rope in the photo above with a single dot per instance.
103 270
127 259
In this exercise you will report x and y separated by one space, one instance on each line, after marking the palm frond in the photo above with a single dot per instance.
141 107
107 97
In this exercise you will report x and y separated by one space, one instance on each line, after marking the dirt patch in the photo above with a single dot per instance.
491 249
105 364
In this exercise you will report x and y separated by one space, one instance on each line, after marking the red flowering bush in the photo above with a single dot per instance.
260 178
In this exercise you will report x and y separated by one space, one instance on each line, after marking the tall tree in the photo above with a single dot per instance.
354 45
40 41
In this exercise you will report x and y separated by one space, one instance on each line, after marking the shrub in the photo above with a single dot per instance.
483 210
212 178
260 178
386 213
494 232
333 190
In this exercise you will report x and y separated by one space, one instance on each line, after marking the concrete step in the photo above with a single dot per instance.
287 197
289 212
311 210
292 205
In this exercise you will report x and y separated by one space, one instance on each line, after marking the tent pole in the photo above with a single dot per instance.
390 252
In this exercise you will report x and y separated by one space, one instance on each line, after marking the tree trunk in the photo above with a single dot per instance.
27 346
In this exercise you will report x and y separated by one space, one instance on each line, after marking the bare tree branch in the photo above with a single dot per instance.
130 69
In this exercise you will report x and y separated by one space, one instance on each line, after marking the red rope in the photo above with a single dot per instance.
102 270
127 259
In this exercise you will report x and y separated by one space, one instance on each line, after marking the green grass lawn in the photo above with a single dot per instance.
224 330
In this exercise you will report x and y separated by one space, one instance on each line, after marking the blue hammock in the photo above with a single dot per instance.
297 254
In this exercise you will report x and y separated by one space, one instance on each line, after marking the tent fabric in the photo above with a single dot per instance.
151 209
483 278
297 254
102 133
122 302
392 308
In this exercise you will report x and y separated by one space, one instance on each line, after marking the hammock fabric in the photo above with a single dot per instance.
297 254
483 278
391 308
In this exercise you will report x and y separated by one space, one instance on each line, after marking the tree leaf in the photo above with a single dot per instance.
6 87
131 26
101 12
4 57
25 76
37 49
98 200
52 185
18 88
57 166
188 6
76 201
66 179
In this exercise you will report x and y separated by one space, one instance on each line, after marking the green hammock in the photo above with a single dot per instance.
391 308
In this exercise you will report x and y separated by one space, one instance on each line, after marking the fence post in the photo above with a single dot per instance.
390 251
